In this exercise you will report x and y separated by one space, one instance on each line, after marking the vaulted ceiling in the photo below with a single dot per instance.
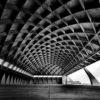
50 37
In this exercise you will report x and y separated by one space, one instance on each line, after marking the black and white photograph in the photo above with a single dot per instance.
49 50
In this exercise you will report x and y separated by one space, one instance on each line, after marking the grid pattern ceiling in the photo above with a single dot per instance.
50 37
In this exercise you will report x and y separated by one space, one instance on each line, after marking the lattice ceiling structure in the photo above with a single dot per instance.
50 37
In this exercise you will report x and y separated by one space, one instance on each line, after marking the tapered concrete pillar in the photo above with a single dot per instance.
3 81
11 81
18 81
30 82
15 81
8 80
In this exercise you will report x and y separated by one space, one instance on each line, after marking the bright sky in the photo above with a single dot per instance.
82 76
95 69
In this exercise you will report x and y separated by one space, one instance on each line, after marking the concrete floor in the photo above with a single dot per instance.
49 92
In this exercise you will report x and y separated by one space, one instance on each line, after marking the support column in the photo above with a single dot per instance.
64 80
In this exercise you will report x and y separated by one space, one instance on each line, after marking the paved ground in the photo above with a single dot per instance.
49 92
